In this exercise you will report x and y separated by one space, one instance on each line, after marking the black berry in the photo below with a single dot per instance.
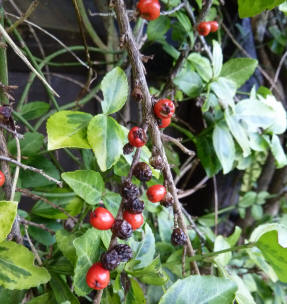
129 191
142 171
128 148
156 162
167 201
134 206
110 259
122 229
178 237
124 252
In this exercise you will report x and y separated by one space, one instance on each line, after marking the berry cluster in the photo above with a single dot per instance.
2 178
204 28
149 9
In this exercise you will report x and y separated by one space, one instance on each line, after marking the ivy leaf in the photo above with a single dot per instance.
201 65
106 137
8 212
217 58
115 90
225 90
65 240
45 298
68 129
200 290
249 8
14 296
224 146
189 82
87 184
35 109
239 70
135 294
158 28
17 269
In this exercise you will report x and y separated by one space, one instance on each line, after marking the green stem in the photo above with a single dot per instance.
3 63
24 121
46 194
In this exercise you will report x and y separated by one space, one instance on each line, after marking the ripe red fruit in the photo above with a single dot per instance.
137 137
164 108
102 219
204 28
164 122
135 220
156 193
97 277
149 9
2 178
213 26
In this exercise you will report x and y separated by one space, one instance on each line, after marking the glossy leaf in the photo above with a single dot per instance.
239 70
17 269
201 65
106 137
217 58
277 151
225 90
157 29
115 90
200 290
112 201
65 240
45 298
68 129
8 212
35 109
135 294
87 184
13 296
249 8
221 244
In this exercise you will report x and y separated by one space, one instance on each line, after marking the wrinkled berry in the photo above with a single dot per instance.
122 229
137 137
134 206
164 108
110 259
178 237
129 191
156 162
142 171
128 148
167 201
124 252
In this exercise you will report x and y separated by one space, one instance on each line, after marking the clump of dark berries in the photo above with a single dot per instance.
156 162
142 171
128 148
129 191
110 259
178 237
124 252
167 201
122 229
134 206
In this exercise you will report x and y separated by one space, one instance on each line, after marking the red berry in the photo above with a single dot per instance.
156 193
135 220
204 28
164 122
213 26
2 178
137 137
97 277
164 108
102 219
149 9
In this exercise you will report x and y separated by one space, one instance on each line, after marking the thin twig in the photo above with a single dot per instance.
36 197
41 226
278 70
32 246
182 173
215 205
194 189
26 167
178 144
172 11
15 133
17 170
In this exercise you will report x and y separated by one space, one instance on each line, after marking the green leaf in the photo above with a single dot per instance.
17 269
156 29
189 82
65 240
112 201
238 132
224 146
257 212
225 90
207 155
8 212
234 237
106 137
201 65
68 129
239 70
221 244
249 8
248 199
277 151
13 296
135 294
115 90
271 239
217 58
88 252
200 290
62 291
36 109
87 184
46 298
165 225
